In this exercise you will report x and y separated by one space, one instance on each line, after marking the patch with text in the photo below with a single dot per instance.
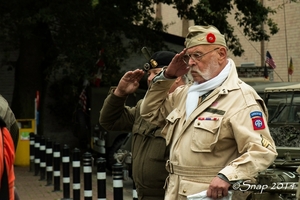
257 120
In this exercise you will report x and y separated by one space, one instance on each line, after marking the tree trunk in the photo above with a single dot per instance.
29 73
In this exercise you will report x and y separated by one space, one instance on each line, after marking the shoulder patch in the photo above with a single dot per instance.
256 114
257 120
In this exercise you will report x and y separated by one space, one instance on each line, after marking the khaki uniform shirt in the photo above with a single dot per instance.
6 113
149 149
9 118
227 133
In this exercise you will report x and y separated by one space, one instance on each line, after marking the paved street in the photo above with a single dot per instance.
30 187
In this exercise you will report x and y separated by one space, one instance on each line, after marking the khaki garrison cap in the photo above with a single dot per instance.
199 35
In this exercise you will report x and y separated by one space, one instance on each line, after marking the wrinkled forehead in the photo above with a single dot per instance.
198 49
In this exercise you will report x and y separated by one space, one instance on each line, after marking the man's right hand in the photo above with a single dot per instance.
129 83
177 67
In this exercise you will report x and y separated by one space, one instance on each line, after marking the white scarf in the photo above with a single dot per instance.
197 90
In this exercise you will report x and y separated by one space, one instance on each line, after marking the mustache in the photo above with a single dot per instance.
195 69
202 74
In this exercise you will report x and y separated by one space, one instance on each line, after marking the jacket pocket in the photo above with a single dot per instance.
189 187
205 134
168 129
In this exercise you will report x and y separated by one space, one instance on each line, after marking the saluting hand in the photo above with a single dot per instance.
177 67
129 83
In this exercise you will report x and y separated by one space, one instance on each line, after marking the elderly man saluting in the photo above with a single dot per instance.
216 128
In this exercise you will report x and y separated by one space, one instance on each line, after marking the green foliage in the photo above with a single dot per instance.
80 29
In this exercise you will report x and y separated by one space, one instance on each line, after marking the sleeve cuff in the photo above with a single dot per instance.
161 77
223 177
233 174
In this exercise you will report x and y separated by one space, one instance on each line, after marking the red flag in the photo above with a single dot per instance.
101 67
82 99
83 96
270 61
291 67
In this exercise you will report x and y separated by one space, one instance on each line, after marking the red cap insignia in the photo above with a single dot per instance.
211 38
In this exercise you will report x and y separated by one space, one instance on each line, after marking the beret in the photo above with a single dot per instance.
159 59
199 35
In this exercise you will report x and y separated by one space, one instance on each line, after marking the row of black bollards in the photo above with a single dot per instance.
56 166
46 161
36 156
118 181
49 160
76 174
42 158
101 178
87 172
66 172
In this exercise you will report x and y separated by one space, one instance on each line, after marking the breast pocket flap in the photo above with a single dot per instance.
211 126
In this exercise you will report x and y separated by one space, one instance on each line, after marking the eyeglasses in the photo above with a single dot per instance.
195 56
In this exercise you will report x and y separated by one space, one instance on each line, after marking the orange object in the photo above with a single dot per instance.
7 156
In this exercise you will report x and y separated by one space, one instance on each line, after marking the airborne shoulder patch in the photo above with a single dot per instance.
257 120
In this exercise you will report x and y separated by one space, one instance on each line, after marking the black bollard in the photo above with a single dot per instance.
31 151
101 178
49 160
76 174
37 155
134 192
66 172
56 166
117 173
87 171
42 158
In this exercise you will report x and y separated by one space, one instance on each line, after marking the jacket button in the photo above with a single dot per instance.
235 176
184 191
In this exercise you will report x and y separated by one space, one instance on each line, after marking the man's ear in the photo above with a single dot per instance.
223 54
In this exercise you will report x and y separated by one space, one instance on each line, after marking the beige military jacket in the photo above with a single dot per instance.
9 118
227 133
6 113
